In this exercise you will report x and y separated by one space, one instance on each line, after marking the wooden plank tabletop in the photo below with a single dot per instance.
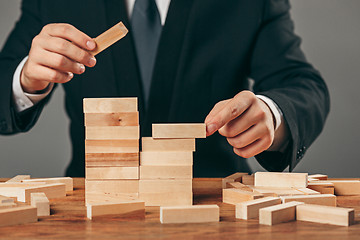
68 220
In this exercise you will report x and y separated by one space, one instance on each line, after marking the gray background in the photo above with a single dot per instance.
331 38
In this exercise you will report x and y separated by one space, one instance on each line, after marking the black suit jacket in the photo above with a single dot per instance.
207 52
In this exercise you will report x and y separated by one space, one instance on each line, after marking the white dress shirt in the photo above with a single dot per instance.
25 100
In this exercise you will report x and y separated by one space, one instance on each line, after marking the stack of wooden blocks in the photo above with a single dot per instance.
111 149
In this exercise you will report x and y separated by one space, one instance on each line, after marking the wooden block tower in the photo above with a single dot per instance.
112 135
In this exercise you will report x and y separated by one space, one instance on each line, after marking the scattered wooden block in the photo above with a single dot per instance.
112 159
17 215
166 158
248 180
193 130
68 181
112 173
115 208
112 133
325 214
239 186
321 199
322 187
41 202
207 186
171 198
277 179
112 146
166 172
318 177
4 200
234 196
170 145
110 105
236 177
279 213
7 205
190 214
112 187
345 187
165 186
18 178
112 119
250 209
109 37
277 191
307 191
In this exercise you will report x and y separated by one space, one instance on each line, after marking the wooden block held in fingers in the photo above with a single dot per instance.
115 208
320 199
248 180
112 119
279 213
112 133
318 177
234 196
190 214
112 146
109 37
169 145
278 179
41 202
166 172
172 198
174 130
18 178
325 214
236 177
97 173
68 181
112 159
17 215
165 185
322 187
250 209
166 158
110 105
4 200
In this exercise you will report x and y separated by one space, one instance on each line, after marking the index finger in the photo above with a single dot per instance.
70 33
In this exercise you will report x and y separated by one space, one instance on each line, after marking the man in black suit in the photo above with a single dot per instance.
205 52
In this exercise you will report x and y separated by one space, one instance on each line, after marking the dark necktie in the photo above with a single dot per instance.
146 30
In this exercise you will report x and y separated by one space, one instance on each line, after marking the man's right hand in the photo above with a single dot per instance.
56 54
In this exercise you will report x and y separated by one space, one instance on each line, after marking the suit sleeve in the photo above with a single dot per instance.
15 49
282 73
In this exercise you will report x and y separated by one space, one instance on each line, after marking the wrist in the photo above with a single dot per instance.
32 87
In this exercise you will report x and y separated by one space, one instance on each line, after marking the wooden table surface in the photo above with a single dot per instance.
68 220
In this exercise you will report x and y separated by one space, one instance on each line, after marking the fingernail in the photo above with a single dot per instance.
81 68
211 128
91 45
92 61
71 75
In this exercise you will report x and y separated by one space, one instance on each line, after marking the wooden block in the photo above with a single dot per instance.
68 181
112 159
174 130
239 186
172 198
307 191
166 172
112 133
41 202
112 187
234 196
318 177
99 197
276 191
320 199
4 200
169 145
17 215
277 179
115 208
248 180
279 213
112 146
207 186
345 187
190 214
109 37
165 186
322 187
236 177
109 173
112 119
18 178
250 209
110 105
7 205
325 214
166 158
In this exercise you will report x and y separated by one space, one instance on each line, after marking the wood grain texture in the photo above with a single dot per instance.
250 209
236 177
112 159
322 187
18 178
173 198
110 105
248 180
345 187
17 215
111 173
277 179
166 172
281 213
68 181
114 208
112 146
42 204
112 119
166 158
165 185
112 133
168 145
234 196
175 130
190 214
112 187
321 199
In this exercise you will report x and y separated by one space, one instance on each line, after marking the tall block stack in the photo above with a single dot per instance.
166 164
112 135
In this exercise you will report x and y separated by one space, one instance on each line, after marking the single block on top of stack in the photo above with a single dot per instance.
112 135
166 164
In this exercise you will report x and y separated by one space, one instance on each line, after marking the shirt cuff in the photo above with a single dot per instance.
274 108
23 100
